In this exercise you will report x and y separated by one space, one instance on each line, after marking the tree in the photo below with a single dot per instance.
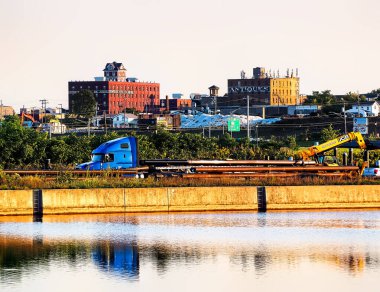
322 98
329 133
354 97
84 104
20 146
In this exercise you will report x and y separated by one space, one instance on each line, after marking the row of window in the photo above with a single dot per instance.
129 96
140 88
121 87
116 104
280 101
264 83
114 74
362 107
282 83
282 91
249 83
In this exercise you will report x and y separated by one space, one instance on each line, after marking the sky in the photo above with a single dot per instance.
186 46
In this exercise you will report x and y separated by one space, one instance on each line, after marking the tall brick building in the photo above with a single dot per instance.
264 89
115 91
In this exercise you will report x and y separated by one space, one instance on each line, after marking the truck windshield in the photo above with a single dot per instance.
97 158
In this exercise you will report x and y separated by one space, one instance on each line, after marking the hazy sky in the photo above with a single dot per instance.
186 46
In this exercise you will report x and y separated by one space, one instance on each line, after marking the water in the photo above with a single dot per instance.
278 251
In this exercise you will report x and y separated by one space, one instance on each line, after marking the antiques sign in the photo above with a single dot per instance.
248 89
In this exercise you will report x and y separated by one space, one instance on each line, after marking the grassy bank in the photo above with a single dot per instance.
67 181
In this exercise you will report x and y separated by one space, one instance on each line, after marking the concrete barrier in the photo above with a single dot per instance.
323 197
16 202
66 201
146 200
212 198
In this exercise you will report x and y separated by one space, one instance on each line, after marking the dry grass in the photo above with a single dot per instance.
67 180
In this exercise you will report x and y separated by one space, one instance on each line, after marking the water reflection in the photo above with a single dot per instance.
122 247
121 259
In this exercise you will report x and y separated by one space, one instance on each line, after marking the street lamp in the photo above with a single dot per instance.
344 113
257 135
248 118
278 102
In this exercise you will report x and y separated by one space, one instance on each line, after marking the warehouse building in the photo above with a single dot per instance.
114 92
264 89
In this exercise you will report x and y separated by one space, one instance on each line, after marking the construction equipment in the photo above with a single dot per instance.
122 154
316 152
31 122
28 123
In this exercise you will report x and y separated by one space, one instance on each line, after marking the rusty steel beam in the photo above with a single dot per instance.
157 162
77 172
220 175
262 175
296 169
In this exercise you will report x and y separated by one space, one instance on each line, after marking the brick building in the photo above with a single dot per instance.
175 104
115 91
264 89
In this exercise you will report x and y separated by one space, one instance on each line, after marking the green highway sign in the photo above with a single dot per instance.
233 125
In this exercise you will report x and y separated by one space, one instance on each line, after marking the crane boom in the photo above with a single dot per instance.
25 115
313 151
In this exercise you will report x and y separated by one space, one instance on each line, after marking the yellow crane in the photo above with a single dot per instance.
314 152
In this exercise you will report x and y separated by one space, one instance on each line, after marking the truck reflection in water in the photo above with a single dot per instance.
23 257
119 259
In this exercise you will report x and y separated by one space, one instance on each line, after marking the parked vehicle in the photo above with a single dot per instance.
372 171
120 153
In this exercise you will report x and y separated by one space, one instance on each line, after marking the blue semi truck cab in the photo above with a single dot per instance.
121 153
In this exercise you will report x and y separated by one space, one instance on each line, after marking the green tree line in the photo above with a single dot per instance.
26 148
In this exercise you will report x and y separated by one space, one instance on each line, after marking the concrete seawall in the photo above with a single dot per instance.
68 201
318 197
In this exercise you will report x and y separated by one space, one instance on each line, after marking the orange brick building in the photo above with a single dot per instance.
115 91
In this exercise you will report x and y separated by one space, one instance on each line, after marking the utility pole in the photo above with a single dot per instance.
43 106
248 118
257 135
215 104
345 119
358 105
61 117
